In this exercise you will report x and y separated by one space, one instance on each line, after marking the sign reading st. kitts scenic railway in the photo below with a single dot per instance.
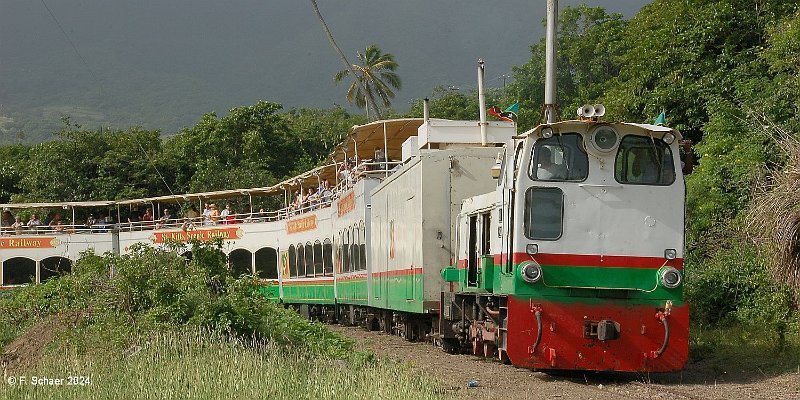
29 243
301 224
197 234
346 204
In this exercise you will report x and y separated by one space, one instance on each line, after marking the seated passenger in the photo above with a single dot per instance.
548 170
165 219
34 222
18 225
90 221
147 218
6 221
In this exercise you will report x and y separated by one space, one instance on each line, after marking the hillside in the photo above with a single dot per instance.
161 65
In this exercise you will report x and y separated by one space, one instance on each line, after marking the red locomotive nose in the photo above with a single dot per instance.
599 337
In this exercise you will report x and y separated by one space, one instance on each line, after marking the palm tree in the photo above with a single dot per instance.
374 78
339 51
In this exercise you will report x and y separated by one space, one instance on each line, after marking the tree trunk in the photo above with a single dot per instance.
347 65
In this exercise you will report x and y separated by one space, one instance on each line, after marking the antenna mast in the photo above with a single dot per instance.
550 62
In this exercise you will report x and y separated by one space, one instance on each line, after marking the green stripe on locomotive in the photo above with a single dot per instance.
585 284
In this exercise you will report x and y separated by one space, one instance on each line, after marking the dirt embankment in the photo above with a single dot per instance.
27 350
700 380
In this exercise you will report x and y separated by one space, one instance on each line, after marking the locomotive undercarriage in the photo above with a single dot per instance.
468 323
474 323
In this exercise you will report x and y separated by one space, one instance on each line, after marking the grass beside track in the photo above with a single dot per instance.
203 366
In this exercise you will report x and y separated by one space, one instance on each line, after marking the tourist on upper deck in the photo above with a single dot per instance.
147 217
207 214
7 219
326 193
34 221
228 216
90 221
18 225
134 217
226 212
214 215
193 213
165 219
312 199
56 220
380 159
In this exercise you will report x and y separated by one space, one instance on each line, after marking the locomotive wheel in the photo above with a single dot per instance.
451 346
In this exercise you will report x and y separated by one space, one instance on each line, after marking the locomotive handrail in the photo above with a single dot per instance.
538 315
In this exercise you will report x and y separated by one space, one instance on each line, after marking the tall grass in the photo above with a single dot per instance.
202 365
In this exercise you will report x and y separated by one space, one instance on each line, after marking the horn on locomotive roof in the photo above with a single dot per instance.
550 63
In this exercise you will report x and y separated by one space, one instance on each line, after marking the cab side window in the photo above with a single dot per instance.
559 158
643 160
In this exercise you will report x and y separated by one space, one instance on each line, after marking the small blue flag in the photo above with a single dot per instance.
662 119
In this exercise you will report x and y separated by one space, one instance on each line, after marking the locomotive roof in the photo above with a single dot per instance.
584 124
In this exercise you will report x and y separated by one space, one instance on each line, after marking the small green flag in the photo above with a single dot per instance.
662 119
514 108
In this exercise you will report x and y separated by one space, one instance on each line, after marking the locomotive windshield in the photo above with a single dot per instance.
559 158
644 161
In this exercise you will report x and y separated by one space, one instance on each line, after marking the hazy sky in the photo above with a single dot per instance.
132 58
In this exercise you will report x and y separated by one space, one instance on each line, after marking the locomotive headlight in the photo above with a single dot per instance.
547 132
604 139
670 277
670 254
531 249
531 271
668 138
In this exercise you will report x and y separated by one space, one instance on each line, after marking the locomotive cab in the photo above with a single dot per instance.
585 243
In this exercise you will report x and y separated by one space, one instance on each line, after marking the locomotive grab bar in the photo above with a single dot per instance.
538 314
664 317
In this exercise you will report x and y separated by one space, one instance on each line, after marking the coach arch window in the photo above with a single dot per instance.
19 271
327 257
318 261
241 262
292 261
54 266
267 263
309 259
346 251
355 255
301 260
363 246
